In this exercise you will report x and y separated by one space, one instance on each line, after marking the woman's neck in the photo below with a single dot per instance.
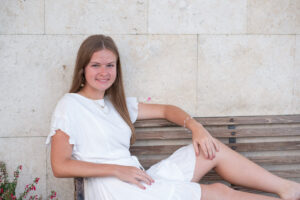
91 94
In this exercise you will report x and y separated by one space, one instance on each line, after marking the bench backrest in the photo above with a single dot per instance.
271 141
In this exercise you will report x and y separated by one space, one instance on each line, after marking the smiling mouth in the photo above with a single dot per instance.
102 80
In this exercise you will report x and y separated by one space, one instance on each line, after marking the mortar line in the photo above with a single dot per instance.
197 76
29 136
147 22
46 175
44 17
294 71
247 16
158 34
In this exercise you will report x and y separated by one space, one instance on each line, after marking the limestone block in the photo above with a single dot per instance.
273 17
245 75
31 154
162 67
190 17
296 89
36 72
22 17
64 187
95 17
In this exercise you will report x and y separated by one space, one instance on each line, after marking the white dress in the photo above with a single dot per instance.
100 135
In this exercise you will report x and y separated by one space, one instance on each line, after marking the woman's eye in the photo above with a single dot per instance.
110 65
95 65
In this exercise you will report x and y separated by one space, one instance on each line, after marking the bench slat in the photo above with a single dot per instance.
266 146
219 133
261 132
251 120
270 160
264 119
240 147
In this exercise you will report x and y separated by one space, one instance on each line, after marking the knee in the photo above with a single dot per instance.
223 190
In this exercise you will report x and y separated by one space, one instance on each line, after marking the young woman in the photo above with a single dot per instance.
92 129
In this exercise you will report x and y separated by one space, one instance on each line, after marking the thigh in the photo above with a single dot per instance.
203 166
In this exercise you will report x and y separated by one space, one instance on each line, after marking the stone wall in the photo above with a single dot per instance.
211 58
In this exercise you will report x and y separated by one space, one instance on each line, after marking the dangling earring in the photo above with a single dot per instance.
82 81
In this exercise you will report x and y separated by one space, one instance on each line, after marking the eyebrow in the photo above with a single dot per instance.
100 63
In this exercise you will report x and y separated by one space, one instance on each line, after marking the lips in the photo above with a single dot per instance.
102 80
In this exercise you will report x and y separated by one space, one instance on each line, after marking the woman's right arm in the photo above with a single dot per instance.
63 166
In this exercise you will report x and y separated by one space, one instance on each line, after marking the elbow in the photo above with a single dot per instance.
58 170
56 174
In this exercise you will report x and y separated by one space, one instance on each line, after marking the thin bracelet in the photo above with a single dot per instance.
186 120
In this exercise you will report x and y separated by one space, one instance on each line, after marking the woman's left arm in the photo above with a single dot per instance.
200 136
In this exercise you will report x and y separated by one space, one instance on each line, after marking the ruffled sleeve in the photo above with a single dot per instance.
61 120
132 105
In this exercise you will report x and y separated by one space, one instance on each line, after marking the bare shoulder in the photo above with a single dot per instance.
151 111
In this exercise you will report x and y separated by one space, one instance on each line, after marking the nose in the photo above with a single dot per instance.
103 70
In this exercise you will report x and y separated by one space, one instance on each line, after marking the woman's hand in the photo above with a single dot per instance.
207 143
133 175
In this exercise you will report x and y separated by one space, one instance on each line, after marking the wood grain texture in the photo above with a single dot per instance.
240 147
219 132
234 120
79 188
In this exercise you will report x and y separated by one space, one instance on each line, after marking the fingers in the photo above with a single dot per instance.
139 184
208 149
208 145
143 179
212 150
216 145
150 178
205 147
143 176
133 175
196 148
204 150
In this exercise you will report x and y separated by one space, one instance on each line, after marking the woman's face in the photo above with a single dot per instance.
101 71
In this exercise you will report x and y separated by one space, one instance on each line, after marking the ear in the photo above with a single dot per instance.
83 72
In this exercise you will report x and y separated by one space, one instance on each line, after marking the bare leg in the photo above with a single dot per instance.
238 170
219 191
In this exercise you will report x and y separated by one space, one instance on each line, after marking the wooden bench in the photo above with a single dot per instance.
270 141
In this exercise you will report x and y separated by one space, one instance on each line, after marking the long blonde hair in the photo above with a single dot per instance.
116 92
